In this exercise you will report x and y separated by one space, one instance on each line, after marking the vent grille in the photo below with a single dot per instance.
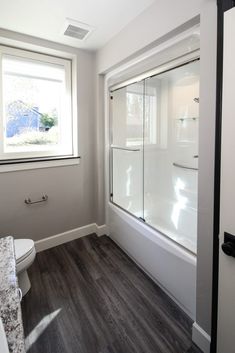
77 30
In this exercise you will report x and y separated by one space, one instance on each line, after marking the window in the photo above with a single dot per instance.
36 107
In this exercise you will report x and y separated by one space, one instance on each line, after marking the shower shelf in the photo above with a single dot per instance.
192 119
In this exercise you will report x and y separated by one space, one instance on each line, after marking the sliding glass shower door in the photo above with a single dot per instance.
127 148
154 151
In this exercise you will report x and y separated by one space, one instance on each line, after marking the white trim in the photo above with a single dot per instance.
101 230
4 168
194 30
182 60
69 235
69 105
201 338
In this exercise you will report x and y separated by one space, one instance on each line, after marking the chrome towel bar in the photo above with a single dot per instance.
183 166
28 201
125 148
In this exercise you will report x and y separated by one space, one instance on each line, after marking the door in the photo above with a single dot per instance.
226 294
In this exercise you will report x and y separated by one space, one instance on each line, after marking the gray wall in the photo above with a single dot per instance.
71 189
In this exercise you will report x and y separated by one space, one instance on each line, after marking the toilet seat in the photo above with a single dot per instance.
24 254
23 249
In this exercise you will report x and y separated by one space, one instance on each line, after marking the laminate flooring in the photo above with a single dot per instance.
88 296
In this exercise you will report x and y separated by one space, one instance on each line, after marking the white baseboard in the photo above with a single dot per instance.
70 235
101 230
201 338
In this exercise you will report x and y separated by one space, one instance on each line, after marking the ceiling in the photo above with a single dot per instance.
46 18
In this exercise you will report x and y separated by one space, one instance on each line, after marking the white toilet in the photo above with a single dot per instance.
25 254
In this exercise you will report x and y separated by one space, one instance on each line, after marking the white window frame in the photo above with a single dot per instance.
27 159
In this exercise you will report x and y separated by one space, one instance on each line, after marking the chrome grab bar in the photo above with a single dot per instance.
183 166
125 148
28 201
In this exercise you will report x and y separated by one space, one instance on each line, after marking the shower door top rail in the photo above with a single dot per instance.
130 149
180 61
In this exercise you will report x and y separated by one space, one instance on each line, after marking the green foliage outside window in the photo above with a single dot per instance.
48 121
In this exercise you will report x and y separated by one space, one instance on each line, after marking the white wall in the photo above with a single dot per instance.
155 22
161 21
71 189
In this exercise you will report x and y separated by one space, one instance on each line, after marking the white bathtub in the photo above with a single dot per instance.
172 267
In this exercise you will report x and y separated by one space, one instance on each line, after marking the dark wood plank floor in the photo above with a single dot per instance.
87 296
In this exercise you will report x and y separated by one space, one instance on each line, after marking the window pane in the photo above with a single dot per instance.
36 111
128 116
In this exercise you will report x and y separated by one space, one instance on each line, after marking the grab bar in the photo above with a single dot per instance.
28 201
183 166
125 148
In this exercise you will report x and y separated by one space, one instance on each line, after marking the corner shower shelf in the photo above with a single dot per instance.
191 119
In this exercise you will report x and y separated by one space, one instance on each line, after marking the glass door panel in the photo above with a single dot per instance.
154 151
127 107
171 153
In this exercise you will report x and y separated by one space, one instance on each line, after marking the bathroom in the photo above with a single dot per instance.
107 176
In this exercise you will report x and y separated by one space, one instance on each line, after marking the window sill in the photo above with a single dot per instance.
4 168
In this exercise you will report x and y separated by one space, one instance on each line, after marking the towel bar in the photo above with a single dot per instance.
183 166
28 201
129 149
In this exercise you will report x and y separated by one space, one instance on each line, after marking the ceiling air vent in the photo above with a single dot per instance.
77 29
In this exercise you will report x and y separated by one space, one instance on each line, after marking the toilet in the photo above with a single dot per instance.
25 254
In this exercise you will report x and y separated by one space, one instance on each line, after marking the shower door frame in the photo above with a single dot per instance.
180 61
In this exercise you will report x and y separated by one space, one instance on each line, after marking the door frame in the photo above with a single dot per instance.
223 6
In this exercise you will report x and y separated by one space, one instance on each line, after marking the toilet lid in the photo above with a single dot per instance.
23 247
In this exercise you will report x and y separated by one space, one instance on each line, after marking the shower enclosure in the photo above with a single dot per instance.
154 151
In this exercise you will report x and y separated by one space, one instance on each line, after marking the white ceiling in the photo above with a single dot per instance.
46 18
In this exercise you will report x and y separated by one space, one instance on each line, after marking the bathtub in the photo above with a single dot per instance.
172 267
